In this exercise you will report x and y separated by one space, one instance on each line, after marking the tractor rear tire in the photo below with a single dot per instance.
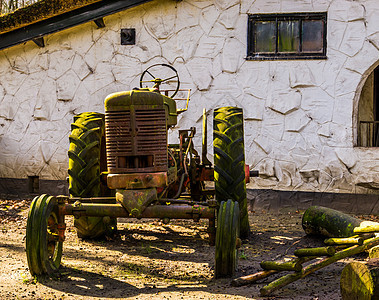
86 162
229 161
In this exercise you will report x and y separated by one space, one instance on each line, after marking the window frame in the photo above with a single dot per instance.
253 18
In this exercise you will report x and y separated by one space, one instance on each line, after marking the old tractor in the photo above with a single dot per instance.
121 166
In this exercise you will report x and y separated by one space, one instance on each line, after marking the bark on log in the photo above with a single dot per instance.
360 280
318 220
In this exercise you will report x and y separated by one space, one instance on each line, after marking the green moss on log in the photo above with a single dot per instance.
328 222
39 11
320 251
354 240
293 265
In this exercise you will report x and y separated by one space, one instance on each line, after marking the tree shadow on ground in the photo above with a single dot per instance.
77 282
164 244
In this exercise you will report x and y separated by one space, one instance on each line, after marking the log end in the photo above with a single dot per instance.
374 252
264 292
237 282
356 282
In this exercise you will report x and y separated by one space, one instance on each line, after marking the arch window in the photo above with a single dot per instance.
368 112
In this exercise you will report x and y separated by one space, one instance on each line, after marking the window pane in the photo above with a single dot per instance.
265 37
289 39
313 36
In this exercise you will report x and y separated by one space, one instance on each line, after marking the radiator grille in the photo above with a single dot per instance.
136 140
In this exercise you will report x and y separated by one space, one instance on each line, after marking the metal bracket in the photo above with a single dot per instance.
196 213
99 23
40 42
136 201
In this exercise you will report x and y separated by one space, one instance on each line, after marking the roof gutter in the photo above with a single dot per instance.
93 12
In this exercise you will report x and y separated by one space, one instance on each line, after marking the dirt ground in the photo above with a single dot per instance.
147 259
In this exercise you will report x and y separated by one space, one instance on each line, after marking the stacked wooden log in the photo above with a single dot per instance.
346 236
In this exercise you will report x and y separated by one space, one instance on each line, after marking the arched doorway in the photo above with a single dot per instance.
368 112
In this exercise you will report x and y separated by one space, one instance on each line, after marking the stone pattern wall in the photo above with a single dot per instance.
299 115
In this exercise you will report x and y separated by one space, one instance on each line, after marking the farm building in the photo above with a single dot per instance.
304 72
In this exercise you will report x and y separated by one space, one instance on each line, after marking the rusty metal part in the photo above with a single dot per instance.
136 140
204 142
61 224
206 173
137 180
61 230
136 201
212 231
212 222
155 211
179 201
191 134
247 173
185 140
181 183
92 200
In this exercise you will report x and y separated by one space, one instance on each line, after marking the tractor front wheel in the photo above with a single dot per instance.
43 248
227 239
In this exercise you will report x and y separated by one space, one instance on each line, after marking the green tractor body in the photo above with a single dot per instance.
136 124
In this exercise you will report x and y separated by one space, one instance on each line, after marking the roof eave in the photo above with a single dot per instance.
65 20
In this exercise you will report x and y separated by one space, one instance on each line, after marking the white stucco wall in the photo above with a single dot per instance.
299 114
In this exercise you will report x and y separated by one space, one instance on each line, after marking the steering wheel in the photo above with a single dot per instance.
170 75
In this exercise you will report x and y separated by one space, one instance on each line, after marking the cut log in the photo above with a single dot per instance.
292 265
354 240
321 251
360 280
318 220
367 227
245 280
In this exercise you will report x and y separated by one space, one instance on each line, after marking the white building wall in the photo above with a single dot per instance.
299 114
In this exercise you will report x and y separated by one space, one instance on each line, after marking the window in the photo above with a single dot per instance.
287 36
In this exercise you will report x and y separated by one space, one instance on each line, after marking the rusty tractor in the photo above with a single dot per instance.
121 166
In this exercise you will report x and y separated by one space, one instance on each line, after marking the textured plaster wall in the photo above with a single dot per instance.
299 115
